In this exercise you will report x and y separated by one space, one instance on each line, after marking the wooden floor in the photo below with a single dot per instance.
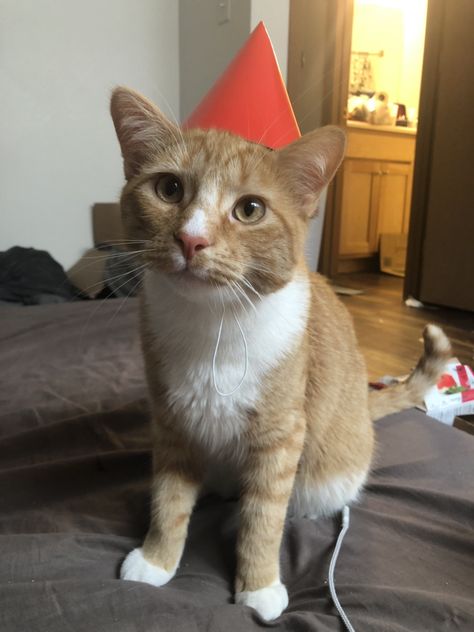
389 332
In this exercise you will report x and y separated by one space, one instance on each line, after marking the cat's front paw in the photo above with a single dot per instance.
269 602
136 568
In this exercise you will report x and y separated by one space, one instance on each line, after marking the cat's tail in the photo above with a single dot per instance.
410 393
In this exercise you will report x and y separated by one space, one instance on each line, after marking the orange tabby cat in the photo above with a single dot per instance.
252 362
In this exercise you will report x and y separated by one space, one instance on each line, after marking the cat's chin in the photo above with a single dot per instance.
188 285
191 279
191 286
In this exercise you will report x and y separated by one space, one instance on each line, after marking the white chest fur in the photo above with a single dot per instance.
186 335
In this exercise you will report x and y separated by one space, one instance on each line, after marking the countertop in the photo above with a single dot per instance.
410 131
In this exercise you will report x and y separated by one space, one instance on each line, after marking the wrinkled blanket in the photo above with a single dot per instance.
74 480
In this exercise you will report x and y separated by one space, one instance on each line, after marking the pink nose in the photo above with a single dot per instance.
190 244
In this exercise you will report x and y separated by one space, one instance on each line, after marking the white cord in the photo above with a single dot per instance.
332 566
215 356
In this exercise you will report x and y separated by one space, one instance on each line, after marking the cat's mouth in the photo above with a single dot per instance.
198 280
194 275
198 274
191 277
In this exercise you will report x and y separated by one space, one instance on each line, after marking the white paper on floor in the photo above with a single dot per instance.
453 395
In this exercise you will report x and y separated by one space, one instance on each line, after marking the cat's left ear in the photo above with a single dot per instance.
142 129
309 164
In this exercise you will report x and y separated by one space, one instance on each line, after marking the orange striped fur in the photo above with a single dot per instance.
297 435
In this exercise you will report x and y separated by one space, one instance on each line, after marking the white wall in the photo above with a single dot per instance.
414 19
207 47
58 62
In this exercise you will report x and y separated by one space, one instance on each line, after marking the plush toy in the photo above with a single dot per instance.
382 114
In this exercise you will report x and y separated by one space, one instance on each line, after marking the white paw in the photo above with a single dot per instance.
269 602
137 569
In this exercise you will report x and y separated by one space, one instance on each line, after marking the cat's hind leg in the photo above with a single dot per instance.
316 499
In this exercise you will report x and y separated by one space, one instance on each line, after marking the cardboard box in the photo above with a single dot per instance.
393 253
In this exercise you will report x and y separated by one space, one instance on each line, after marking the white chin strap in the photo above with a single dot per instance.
214 357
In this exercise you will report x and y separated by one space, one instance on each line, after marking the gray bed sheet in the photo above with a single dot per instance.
74 498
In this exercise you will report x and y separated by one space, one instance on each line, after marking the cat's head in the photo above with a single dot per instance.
218 214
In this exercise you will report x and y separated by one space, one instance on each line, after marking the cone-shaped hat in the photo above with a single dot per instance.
250 97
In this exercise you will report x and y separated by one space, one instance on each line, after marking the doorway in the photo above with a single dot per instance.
358 63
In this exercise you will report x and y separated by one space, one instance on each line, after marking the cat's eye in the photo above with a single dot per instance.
169 188
249 210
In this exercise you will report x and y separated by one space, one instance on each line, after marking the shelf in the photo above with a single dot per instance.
367 127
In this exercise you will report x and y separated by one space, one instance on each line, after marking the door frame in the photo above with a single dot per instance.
423 149
340 17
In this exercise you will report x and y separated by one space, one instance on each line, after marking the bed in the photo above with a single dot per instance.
74 479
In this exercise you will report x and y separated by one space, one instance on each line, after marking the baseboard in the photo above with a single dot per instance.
358 264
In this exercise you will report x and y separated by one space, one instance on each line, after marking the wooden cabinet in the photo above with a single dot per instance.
358 220
375 200
376 189
394 197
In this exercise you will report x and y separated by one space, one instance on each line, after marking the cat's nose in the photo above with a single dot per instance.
191 244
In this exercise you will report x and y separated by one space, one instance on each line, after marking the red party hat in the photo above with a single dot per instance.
250 98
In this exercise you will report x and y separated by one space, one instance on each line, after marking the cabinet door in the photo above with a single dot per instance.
394 197
361 180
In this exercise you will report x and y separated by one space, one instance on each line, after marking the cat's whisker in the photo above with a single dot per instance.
116 251
262 268
220 291
256 158
234 292
177 131
114 255
244 294
229 263
181 146
211 299
224 294
104 254
112 242
92 314
125 299
88 261
259 267
232 289
182 152
106 279
250 286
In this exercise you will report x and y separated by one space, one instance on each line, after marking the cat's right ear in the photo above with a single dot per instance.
309 164
141 128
